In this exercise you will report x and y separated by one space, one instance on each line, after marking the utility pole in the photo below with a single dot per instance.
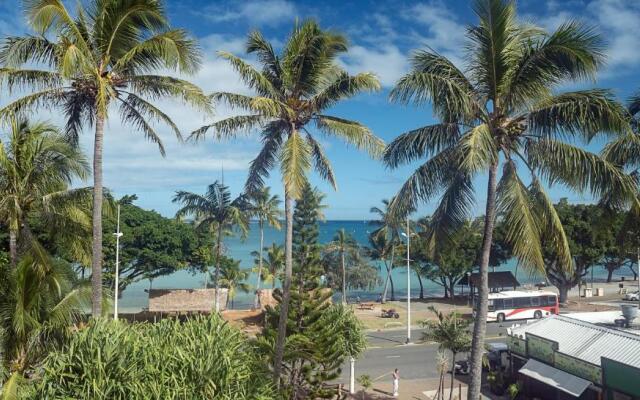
118 234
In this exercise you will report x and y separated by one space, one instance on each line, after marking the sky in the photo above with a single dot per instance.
382 36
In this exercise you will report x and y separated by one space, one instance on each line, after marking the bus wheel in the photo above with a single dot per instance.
537 314
500 317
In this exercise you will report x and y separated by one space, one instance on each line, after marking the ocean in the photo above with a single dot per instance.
134 298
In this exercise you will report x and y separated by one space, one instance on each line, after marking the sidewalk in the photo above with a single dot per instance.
409 390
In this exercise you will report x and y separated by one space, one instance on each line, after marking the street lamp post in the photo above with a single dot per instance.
352 375
117 234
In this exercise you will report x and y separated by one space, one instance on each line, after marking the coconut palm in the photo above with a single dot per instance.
37 164
273 264
293 90
378 250
104 55
36 313
217 213
388 226
345 245
451 333
233 278
504 110
266 208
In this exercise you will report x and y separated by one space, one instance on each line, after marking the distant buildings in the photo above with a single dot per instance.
564 357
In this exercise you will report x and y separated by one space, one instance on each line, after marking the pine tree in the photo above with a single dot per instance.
320 335
307 266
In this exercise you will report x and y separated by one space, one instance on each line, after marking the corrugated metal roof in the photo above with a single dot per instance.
584 340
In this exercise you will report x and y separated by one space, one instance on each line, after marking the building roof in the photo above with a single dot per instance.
554 377
497 280
185 300
584 340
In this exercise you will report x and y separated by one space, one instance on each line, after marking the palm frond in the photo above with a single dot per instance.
131 115
343 87
574 51
321 162
295 161
251 77
477 149
352 132
559 162
582 113
230 127
421 142
515 205
265 160
433 78
149 111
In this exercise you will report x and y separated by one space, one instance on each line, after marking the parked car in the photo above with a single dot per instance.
632 296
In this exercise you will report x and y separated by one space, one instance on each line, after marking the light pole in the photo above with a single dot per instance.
117 234
352 375
408 236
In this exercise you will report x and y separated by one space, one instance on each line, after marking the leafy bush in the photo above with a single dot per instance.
201 358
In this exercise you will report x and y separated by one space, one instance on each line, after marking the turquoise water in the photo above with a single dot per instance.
134 297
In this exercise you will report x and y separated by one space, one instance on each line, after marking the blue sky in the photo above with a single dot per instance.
382 35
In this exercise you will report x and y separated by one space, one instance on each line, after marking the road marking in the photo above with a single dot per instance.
392 357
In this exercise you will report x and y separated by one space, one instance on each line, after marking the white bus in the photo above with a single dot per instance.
521 304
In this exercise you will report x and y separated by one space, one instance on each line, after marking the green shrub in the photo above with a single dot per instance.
201 358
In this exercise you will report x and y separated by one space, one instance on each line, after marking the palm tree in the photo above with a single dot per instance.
266 208
233 278
451 333
36 313
344 244
273 263
293 90
105 55
378 250
37 164
504 110
388 226
217 213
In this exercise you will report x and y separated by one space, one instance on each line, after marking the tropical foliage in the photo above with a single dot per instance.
215 212
151 245
345 245
104 55
39 304
504 110
273 263
233 278
37 167
115 360
294 89
266 208
384 240
451 333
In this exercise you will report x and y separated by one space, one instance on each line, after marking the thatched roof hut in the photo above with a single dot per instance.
185 300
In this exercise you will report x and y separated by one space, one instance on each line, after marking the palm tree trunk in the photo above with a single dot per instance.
480 323
286 286
421 285
217 273
344 278
386 282
96 259
256 303
393 255
13 247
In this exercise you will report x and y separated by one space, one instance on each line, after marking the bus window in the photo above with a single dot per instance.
551 300
497 304
522 302
535 301
507 304
492 307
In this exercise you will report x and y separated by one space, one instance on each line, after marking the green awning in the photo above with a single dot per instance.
554 377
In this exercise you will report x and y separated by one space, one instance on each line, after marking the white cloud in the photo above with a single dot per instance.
255 12
444 33
387 62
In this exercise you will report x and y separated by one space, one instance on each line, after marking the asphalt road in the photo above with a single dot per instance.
415 361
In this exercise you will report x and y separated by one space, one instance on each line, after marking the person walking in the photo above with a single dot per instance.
396 382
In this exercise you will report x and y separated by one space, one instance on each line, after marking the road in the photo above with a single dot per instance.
415 361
